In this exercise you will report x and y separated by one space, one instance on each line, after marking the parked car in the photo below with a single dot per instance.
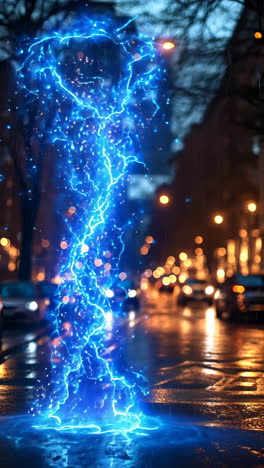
167 288
240 297
23 300
124 297
1 320
195 290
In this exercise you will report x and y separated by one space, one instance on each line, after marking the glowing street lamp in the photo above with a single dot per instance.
168 45
198 240
149 240
164 199
258 35
183 256
218 219
252 207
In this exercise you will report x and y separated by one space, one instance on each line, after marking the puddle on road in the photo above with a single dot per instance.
176 442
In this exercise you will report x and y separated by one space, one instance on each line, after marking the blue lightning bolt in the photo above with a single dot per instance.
97 87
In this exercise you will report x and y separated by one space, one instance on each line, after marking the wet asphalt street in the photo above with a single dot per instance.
205 365
207 388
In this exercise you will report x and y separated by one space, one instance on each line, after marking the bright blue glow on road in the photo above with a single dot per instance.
96 89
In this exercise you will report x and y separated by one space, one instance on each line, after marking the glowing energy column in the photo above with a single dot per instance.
97 113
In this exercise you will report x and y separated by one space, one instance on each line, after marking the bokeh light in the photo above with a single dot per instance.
218 219
164 199
168 45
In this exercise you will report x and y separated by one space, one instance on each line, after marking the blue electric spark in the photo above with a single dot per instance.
96 86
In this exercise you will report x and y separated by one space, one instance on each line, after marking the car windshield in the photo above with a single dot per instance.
17 290
254 281
195 281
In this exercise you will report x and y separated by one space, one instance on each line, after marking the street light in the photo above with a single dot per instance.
168 45
183 256
218 219
258 35
252 207
164 199
149 240
198 240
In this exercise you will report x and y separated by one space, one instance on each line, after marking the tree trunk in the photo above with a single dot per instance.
261 201
28 217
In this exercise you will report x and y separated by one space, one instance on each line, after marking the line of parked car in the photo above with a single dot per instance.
29 302
238 298
196 290
23 300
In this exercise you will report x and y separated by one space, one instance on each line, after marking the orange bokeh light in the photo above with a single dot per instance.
144 250
164 199
218 219
45 243
72 209
168 45
63 245
238 289
149 239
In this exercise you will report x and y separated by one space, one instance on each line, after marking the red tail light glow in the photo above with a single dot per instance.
238 289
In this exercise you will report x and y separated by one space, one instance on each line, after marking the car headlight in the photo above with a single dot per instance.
217 294
187 289
132 293
32 305
209 290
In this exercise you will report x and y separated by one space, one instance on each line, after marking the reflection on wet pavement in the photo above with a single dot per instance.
19 373
196 364
204 365
175 443
207 383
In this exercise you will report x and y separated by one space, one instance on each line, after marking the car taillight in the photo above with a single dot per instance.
237 288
